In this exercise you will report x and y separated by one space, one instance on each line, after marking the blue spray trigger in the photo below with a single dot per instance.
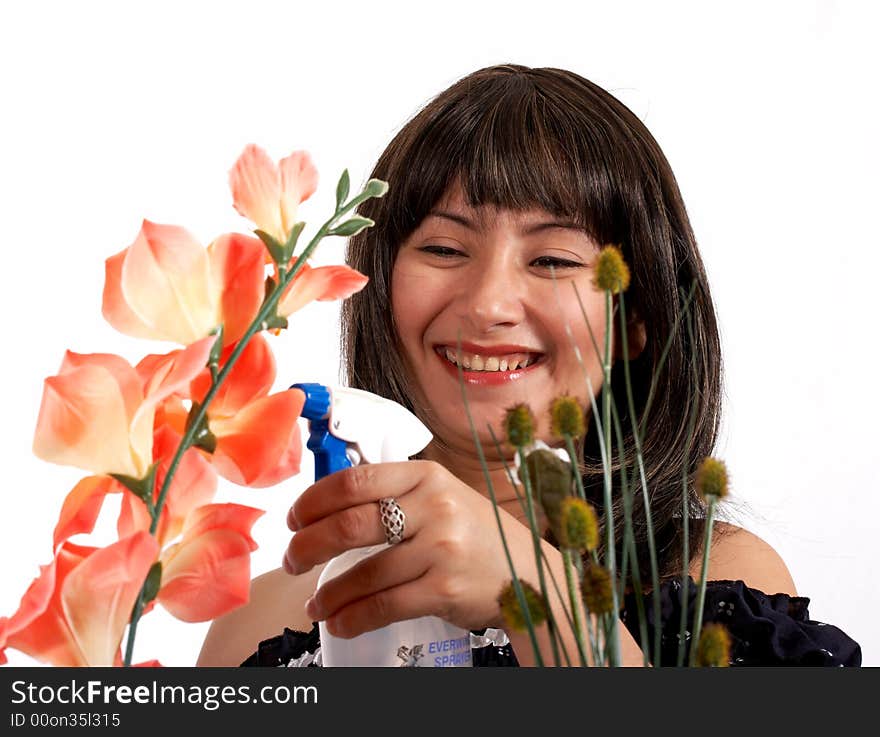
330 451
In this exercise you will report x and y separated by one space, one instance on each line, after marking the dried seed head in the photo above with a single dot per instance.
579 526
713 650
612 273
513 613
711 479
551 480
567 417
519 425
596 589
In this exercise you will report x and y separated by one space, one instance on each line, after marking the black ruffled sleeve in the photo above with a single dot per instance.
765 629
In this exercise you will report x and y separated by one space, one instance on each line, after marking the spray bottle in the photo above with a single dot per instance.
348 427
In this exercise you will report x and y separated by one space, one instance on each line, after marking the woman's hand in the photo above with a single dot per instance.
450 564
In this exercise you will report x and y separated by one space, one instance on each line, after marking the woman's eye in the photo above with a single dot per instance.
436 249
543 261
558 263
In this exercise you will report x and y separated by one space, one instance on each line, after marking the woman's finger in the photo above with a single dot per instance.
417 598
391 567
368 482
352 527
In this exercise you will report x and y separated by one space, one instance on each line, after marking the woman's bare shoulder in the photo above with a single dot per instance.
277 600
737 554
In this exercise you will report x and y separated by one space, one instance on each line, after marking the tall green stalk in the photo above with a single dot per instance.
539 660
260 322
610 564
685 509
652 549
701 589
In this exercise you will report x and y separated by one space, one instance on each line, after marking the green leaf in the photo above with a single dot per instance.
290 246
376 188
217 348
276 321
153 582
205 439
342 189
141 488
274 247
352 227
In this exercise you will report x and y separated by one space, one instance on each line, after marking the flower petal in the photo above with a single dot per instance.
320 283
299 180
82 506
256 190
39 628
216 547
98 595
83 422
261 445
172 376
114 307
251 378
166 281
236 517
238 269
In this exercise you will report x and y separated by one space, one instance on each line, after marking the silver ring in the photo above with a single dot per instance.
393 520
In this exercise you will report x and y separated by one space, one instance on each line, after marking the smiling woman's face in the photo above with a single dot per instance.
486 272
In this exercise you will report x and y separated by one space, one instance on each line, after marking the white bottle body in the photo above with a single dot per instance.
424 642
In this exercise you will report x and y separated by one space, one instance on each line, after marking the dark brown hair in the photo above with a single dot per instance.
518 138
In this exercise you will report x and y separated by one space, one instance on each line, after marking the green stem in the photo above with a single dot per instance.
539 661
536 541
259 323
701 590
522 504
652 549
575 609
629 542
614 641
685 511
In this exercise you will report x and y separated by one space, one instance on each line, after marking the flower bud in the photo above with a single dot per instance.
550 479
713 650
612 273
596 589
567 417
513 614
519 425
711 479
579 527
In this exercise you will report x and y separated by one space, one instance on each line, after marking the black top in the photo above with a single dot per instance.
765 630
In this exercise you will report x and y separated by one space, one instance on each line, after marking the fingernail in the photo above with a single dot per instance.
294 522
312 608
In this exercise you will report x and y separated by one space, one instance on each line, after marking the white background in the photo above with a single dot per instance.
767 111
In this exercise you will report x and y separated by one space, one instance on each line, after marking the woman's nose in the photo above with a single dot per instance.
490 294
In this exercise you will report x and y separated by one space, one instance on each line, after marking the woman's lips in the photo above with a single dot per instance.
489 378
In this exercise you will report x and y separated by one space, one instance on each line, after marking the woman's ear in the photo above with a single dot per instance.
636 339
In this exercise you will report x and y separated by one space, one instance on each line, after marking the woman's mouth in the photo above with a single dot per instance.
490 370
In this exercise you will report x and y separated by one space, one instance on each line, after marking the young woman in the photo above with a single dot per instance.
509 172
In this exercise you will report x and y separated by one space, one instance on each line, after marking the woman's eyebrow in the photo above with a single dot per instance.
528 230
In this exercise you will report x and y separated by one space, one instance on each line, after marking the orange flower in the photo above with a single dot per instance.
321 283
204 574
96 414
194 484
75 612
258 439
166 286
208 572
268 194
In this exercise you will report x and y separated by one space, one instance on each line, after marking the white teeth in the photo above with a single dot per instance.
491 363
